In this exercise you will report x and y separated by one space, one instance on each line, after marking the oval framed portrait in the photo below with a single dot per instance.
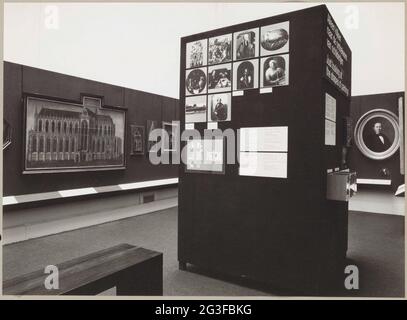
377 134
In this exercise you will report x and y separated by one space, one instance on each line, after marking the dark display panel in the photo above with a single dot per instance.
141 108
281 231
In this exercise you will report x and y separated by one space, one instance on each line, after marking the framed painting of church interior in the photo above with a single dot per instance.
377 134
137 140
63 136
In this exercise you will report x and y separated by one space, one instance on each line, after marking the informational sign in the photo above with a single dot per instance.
263 152
338 58
273 139
263 164
205 155
330 107
330 133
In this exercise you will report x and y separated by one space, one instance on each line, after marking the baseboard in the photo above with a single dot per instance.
18 233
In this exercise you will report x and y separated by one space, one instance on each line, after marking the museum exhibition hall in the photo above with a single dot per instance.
254 160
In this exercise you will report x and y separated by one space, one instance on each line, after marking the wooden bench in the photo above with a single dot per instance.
132 270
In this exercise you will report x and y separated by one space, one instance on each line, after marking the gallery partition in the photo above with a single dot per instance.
279 214
47 115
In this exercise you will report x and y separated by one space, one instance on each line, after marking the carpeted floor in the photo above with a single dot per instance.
376 246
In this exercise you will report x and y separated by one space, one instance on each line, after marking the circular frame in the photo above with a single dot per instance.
358 134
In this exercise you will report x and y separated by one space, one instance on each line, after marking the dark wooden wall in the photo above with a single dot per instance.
280 231
367 168
141 106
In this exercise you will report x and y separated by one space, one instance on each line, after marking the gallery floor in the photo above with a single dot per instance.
376 246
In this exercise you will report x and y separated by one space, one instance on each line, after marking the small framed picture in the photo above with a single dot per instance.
195 109
137 140
151 126
220 78
246 44
171 128
196 54
275 39
246 75
195 81
220 107
220 49
274 71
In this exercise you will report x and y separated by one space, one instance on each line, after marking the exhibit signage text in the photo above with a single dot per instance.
337 69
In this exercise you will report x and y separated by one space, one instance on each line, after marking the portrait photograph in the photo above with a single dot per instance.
274 71
195 109
137 140
220 49
62 136
274 39
196 54
220 78
195 81
220 107
377 134
246 44
246 75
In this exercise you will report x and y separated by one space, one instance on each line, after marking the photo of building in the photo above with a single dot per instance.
62 138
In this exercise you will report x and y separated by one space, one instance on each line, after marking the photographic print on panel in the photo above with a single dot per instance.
195 81
246 75
196 54
170 144
62 136
220 49
137 140
246 44
275 39
220 78
274 71
219 107
195 109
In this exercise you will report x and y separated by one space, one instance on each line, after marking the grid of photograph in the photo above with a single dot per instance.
248 59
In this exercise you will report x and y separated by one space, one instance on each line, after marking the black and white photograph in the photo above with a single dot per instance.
219 107
246 44
197 53
62 136
196 81
150 127
275 38
220 49
220 78
246 75
205 156
137 140
195 109
274 71
377 134
211 150
170 128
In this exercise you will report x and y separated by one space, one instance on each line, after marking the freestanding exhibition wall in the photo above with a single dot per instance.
271 218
